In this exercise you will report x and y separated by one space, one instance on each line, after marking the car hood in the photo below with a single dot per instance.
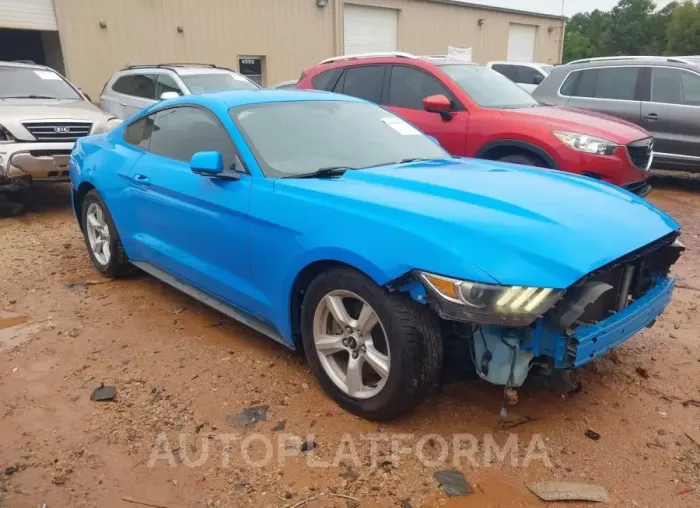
581 121
460 217
15 111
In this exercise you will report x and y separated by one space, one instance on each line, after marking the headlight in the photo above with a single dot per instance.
588 144
107 126
492 304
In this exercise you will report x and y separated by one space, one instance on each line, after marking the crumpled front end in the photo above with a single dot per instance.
602 310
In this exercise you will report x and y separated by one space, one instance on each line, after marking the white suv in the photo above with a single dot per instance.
526 75
133 88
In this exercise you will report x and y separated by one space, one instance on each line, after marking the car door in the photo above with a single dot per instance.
612 90
672 114
194 227
362 81
406 88
132 93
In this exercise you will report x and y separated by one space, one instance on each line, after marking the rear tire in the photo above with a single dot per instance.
523 160
101 237
403 333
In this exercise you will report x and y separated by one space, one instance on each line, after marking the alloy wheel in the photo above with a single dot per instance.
98 234
351 344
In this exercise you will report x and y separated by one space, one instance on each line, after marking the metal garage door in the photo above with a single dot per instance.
521 42
370 29
28 14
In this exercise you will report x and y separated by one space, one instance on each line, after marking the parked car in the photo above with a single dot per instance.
474 111
526 75
658 93
41 116
335 227
133 88
285 85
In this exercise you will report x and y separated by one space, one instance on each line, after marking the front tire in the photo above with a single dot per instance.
377 354
101 237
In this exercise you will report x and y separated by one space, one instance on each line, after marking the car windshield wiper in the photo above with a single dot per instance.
322 172
28 97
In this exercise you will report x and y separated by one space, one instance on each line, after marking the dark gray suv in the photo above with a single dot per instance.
661 94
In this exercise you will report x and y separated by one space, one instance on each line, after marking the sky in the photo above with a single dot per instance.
554 6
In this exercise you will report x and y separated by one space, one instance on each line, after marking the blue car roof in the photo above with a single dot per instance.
234 98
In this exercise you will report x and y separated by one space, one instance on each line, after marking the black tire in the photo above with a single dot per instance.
524 160
414 338
118 264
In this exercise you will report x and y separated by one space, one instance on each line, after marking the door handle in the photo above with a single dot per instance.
651 116
142 180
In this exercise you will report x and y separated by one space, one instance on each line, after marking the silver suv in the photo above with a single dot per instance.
133 88
41 116
662 94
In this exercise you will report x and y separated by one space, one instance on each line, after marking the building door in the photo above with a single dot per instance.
521 42
370 29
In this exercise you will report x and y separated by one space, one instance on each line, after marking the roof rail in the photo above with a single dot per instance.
633 57
380 54
166 65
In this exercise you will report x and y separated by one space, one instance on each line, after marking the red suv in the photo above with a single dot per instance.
474 111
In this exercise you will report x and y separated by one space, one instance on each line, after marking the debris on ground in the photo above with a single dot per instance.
592 434
307 446
453 483
694 435
145 502
642 372
103 393
512 422
687 490
78 286
565 491
179 310
280 426
248 417
512 396
691 402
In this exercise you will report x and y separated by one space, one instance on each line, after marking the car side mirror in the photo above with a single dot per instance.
169 95
539 78
207 163
438 104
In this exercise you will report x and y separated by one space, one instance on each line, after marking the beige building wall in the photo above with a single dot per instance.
99 37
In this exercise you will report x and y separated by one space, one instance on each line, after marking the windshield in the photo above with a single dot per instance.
24 82
294 138
216 82
489 88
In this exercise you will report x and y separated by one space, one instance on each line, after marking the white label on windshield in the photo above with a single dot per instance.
239 78
47 75
403 128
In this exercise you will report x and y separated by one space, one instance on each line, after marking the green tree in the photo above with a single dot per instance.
630 28
576 46
683 31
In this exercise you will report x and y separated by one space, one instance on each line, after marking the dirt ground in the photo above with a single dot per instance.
182 372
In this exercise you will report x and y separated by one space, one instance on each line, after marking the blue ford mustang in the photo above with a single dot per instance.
333 226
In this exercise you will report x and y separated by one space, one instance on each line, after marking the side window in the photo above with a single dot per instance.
408 87
144 86
675 86
509 71
617 83
585 86
123 85
691 89
569 85
326 80
166 83
138 133
526 75
365 82
179 133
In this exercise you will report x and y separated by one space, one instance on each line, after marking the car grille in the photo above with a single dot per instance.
48 153
640 153
58 131
645 265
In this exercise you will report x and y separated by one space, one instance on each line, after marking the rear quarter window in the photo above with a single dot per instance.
326 80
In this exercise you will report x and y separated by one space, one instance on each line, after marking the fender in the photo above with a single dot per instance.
523 145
